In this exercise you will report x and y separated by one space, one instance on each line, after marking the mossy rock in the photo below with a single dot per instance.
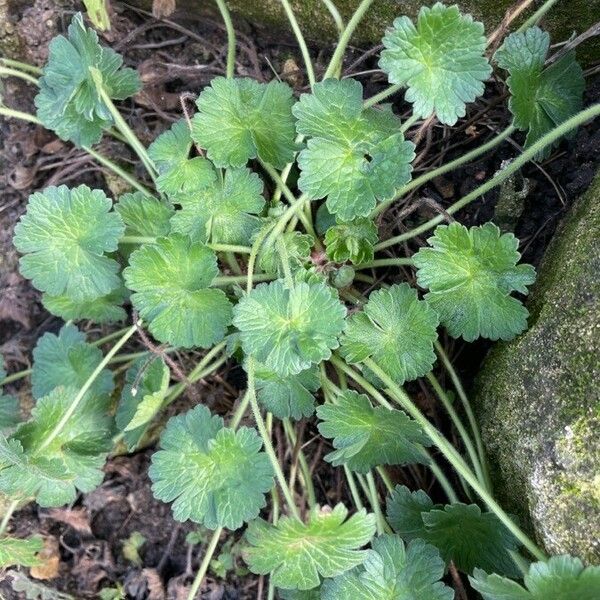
537 397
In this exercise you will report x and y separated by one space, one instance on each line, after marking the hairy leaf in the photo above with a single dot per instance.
144 215
541 98
461 532
351 241
64 236
215 475
67 360
354 157
441 61
562 577
289 329
364 437
289 396
470 274
178 174
396 330
393 571
105 309
297 555
224 211
240 119
10 410
20 552
171 282
297 249
68 101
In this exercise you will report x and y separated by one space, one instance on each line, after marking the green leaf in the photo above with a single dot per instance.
105 309
146 385
396 330
561 578
10 409
240 119
541 99
470 274
351 241
441 61
364 437
64 236
314 594
289 396
72 461
354 157
297 555
298 247
171 280
20 552
143 215
68 101
178 174
224 211
393 571
215 475
289 329
67 360
461 532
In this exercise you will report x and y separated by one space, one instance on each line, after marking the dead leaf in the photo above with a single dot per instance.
77 518
163 8
21 177
50 558
292 73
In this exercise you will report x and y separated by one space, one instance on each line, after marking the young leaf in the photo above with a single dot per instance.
562 577
541 99
64 236
289 329
215 475
287 397
297 248
396 330
171 280
146 385
67 360
355 157
297 555
470 274
461 532
144 215
224 211
105 309
178 174
351 241
20 552
441 60
68 101
393 571
364 437
240 119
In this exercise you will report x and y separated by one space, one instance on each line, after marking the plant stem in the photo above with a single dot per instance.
409 123
307 480
374 497
122 126
453 458
454 164
17 114
384 262
212 546
115 168
226 280
260 238
310 71
285 263
547 140
86 386
335 14
139 239
21 65
338 56
353 489
230 37
7 515
8 72
537 16
442 480
378 98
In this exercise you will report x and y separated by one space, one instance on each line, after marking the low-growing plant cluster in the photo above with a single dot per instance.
201 256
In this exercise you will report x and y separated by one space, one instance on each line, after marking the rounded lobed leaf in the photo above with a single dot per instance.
441 60
214 475
470 274
351 241
396 330
171 280
289 329
105 309
64 236
144 215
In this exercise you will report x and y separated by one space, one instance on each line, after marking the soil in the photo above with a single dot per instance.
176 60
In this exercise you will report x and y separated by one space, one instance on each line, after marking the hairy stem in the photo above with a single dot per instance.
16 64
212 546
306 476
382 526
226 280
310 71
230 37
384 94
385 262
17 114
537 16
335 14
8 72
7 516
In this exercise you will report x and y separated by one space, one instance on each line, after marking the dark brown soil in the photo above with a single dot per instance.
176 59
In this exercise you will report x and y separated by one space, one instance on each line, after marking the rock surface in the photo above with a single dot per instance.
538 397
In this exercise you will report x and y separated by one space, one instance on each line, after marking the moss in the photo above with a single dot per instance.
537 397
